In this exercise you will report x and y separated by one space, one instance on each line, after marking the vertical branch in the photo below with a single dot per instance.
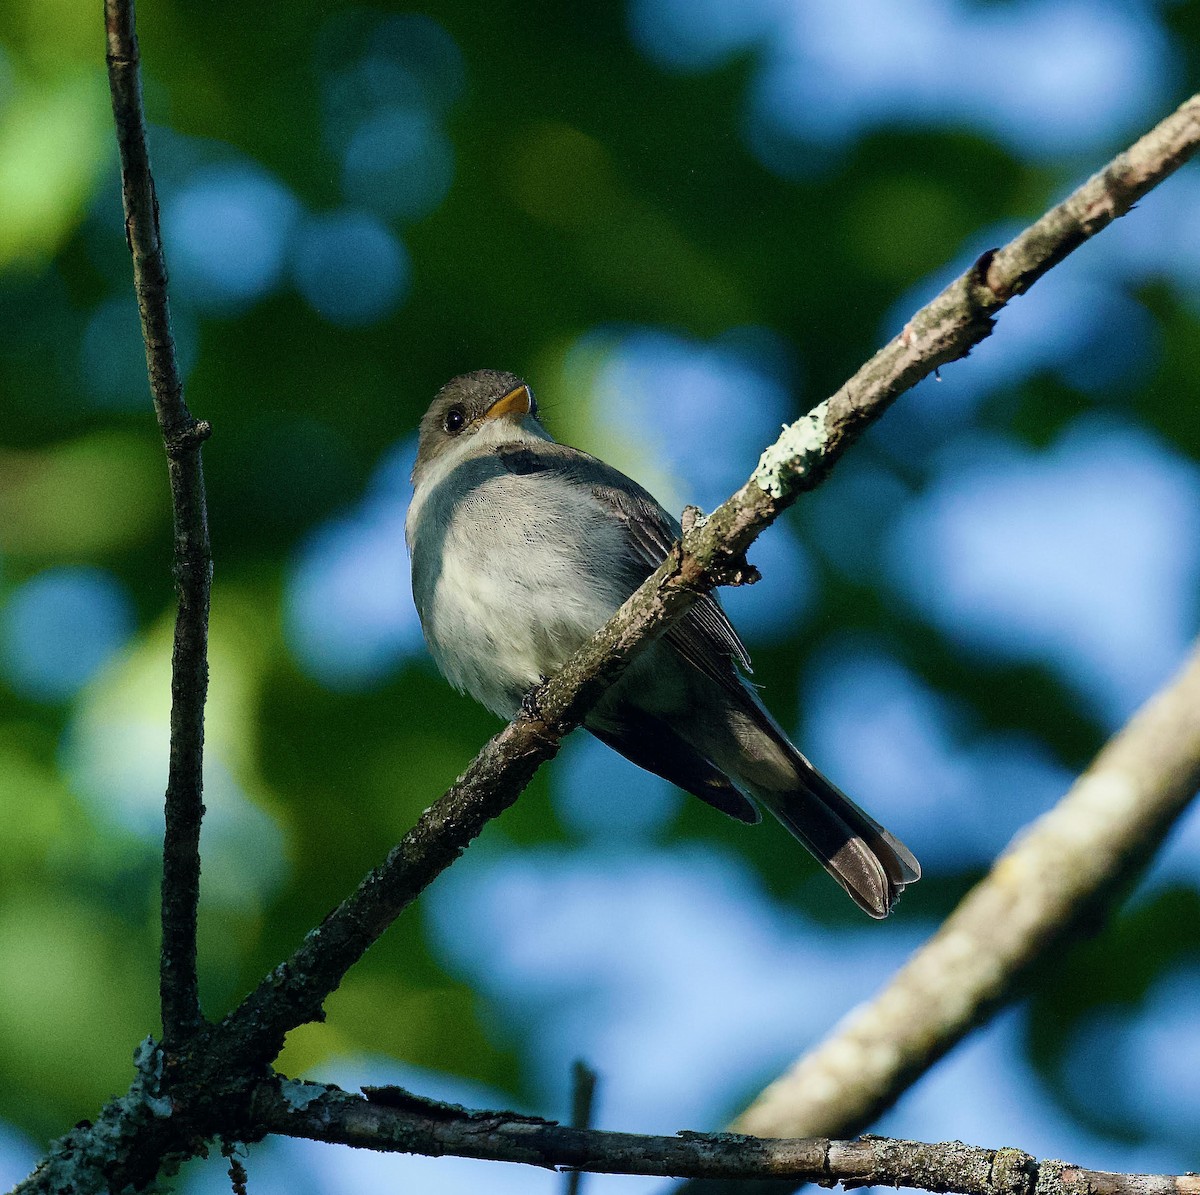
182 436
583 1098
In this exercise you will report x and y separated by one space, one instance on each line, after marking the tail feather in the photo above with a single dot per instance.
871 864
651 744
718 741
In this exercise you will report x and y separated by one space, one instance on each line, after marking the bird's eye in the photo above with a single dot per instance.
456 420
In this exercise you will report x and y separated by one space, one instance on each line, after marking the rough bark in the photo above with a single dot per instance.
182 436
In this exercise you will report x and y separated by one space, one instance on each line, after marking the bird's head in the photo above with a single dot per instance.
486 400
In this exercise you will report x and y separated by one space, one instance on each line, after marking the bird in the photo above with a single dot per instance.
523 547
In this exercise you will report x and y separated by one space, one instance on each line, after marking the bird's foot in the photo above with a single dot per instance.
529 703
743 573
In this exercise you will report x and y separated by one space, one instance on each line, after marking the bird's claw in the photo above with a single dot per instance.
529 703
744 573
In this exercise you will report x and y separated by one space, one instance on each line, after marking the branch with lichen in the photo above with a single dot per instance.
182 435
712 552
392 1120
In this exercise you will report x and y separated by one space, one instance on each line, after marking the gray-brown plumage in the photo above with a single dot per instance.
522 548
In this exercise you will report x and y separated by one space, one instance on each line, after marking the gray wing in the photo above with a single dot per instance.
652 744
704 636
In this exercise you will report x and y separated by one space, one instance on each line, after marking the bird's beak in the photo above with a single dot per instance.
518 402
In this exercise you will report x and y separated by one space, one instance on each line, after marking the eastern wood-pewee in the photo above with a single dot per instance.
522 548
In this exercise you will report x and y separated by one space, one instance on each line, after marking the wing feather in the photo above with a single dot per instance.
704 636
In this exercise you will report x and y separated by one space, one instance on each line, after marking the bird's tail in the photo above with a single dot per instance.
870 863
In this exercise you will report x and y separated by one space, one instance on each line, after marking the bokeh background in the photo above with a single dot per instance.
685 221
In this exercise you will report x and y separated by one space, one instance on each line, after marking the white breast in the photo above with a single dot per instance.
511 574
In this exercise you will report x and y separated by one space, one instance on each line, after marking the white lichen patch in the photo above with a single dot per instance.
298 1094
148 1059
792 454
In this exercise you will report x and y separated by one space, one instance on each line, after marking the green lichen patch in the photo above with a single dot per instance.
792 455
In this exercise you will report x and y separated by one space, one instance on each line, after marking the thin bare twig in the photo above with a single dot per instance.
583 1098
182 436
712 552
417 1126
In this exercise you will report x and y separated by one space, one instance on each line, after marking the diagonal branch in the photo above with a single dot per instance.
393 1121
1058 873
711 553
182 435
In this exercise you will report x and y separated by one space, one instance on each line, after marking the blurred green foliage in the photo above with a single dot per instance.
590 188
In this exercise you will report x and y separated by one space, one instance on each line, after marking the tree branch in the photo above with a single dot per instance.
391 1120
1054 876
182 436
712 552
